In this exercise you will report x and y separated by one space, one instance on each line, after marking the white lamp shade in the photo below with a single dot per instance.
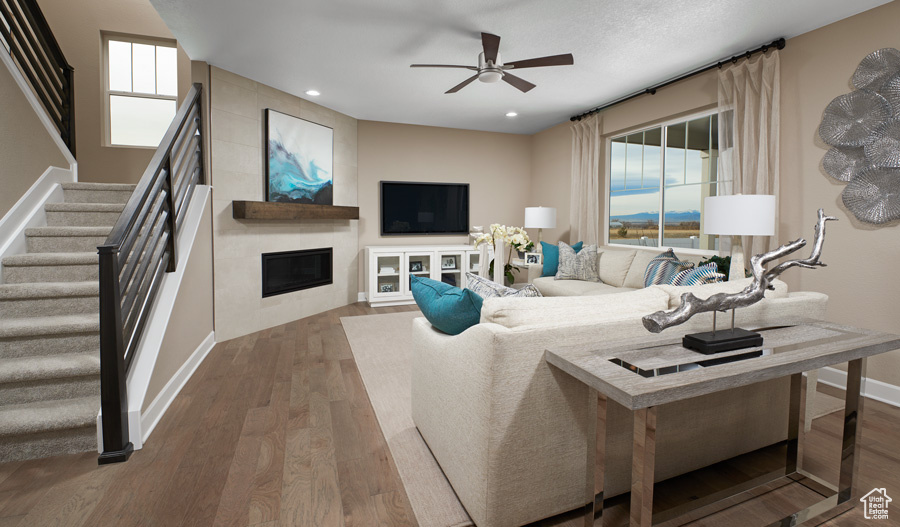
739 215
540 217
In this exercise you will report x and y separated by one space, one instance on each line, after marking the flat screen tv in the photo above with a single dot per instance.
424 208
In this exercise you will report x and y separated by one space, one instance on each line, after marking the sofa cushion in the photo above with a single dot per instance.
486 288
517 312
705 274
580 265
705 291
635 276
549 286
551 257
663 268
448 308
614 265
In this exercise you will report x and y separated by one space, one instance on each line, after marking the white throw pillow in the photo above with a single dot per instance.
568 310
635 276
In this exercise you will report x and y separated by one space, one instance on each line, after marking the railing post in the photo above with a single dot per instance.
171 216
113 391
202 179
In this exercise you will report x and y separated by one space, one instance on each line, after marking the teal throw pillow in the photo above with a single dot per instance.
663 268
448 308
551 257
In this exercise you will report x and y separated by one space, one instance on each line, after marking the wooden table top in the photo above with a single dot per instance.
655 370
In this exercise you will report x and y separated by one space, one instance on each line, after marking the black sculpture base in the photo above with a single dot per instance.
711 342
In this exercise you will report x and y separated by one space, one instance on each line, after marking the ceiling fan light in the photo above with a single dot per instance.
313 93
490 76
511 114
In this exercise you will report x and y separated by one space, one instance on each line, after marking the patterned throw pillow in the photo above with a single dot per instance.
578 266
661 269
705 274
489 289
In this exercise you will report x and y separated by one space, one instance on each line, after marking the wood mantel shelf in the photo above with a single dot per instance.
273 210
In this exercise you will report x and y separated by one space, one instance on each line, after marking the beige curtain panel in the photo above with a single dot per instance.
587 167
748 108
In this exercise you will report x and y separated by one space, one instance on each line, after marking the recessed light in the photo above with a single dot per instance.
511 114
313 93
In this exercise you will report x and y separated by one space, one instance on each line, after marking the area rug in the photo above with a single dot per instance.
381 345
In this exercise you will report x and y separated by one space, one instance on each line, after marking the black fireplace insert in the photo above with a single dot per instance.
288 271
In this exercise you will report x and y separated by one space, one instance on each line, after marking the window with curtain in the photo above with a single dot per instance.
141 78
658 178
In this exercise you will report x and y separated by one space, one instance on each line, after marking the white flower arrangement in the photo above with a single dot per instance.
515 237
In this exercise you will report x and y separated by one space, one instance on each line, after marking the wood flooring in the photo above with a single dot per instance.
275 429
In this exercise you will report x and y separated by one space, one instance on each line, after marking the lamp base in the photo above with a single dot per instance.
710 342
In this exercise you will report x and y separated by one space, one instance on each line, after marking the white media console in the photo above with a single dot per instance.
388 269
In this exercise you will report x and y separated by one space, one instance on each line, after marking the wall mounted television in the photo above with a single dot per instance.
424 208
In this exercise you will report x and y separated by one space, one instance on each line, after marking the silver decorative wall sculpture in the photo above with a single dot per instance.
863 128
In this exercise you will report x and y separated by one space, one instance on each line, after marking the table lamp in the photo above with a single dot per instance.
540 218
738 215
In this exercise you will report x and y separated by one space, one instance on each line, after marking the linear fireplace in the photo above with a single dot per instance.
288 271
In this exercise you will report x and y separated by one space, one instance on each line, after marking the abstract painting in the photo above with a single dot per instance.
299 160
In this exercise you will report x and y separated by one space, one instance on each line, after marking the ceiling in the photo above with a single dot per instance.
357 52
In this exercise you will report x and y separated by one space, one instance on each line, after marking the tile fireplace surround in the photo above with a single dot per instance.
238 155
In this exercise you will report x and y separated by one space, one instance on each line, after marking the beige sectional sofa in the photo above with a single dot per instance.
621 269
508 430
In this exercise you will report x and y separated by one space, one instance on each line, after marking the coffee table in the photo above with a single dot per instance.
642 374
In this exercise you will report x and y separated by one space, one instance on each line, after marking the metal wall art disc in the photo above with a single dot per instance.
876 68
844 163
854 118
863 126
890 90
874 195
885 150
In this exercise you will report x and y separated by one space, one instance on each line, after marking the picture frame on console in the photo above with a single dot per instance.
415 267
299 160
448 262
533 258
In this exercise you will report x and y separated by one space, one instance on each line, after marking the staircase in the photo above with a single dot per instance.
49 327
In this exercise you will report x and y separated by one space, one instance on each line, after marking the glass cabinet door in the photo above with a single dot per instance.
418 264
387 275
452 268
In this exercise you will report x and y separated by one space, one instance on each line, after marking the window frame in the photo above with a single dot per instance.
683 118
106 125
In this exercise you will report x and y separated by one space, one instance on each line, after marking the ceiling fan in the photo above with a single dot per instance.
492 69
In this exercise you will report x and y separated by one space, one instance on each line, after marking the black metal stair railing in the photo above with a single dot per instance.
140 248
26 36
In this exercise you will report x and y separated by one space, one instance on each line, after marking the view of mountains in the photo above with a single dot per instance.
671 216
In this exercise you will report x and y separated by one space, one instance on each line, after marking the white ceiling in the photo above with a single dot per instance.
357 52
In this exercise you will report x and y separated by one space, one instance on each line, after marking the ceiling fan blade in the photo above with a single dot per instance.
473 68
522 84
491 45
553 60
462 84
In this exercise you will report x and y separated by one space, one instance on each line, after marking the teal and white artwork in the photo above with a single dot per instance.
299 160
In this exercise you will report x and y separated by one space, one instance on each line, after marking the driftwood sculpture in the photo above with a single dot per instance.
762 279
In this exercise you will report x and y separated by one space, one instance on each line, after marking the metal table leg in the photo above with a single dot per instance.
595 469
853 408
643 467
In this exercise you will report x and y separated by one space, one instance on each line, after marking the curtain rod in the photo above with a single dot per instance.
779 44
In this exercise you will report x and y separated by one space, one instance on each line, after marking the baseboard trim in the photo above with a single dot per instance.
361 296
877 390
161 403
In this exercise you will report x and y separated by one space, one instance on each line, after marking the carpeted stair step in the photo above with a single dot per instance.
97 192
83 214
49 299
56 335
50 267
66 239
49 377
48 428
